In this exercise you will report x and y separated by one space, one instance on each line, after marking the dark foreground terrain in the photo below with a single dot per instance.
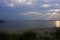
30 35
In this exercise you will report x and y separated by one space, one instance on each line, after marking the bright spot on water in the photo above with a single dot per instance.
57 23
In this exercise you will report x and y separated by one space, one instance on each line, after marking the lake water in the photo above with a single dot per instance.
16 24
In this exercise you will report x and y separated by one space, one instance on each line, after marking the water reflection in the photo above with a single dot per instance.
57 23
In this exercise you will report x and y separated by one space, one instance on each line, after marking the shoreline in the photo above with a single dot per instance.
48 29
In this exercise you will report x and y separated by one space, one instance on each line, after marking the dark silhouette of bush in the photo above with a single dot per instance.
44 37
3 36
14 36
29 35
56 34
9 36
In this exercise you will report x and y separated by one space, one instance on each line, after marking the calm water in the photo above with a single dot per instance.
27 24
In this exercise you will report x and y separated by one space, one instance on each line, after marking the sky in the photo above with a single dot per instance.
30 9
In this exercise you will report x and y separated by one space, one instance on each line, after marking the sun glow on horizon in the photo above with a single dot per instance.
57 23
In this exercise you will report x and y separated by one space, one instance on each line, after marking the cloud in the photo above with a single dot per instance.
25 2
10 5
29 9
54 10
32 13
57 4
45 5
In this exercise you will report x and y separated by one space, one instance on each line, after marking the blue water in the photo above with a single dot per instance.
11 24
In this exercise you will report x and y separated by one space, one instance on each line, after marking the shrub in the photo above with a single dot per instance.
29 35
3 35
14 36
56 34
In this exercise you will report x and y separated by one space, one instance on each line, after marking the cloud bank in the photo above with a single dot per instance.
30 9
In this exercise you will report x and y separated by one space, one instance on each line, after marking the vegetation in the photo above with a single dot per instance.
30 35
56 34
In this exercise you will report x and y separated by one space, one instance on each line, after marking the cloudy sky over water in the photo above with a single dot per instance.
30 9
